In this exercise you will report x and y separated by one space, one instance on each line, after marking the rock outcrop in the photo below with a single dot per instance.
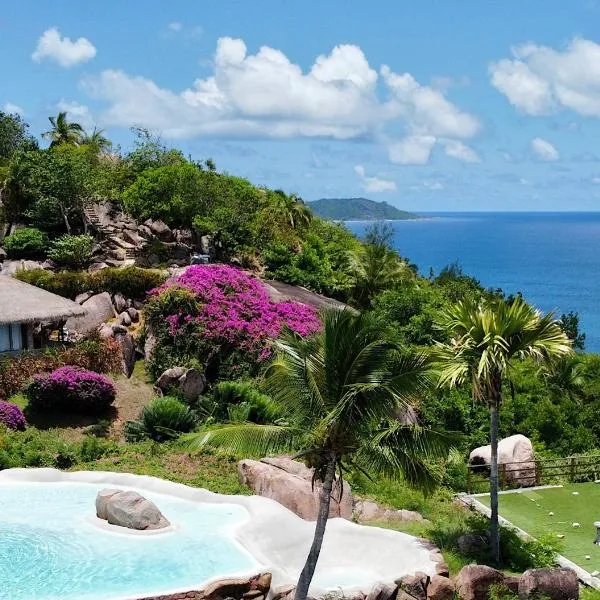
366 511
515 453
554 584
99 309
129 509
290 483
190 383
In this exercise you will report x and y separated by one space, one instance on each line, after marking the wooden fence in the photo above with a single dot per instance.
545 471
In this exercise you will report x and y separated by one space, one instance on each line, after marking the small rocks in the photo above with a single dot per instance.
120 303
190 383
367 510
472 544
415 585
440 588
134 315
125 319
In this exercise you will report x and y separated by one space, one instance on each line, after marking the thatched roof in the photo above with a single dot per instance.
24 303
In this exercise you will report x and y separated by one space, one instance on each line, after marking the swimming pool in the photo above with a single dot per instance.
52 547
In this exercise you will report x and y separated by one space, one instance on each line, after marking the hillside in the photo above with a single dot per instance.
357 209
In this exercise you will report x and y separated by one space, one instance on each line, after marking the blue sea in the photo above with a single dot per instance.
553 259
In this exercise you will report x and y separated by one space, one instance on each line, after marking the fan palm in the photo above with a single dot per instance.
339 391
63 131
485 340
97 140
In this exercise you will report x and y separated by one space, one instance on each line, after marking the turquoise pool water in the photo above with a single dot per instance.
50 548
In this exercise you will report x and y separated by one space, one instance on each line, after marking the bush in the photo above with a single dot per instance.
72 251
94 353
26 243
12 416
163 419
131 282
71 389
241 401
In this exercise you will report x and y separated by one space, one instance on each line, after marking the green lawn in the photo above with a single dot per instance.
530 510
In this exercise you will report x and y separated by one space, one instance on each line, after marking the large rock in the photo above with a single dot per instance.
131 510
382 591
415 585
160 229
120 303
290 483
551 583
367 510
10 267
473 581
99 309
190 383
440 588
516 453
102 500
127 345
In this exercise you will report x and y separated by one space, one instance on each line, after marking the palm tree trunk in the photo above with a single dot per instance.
494 526
311 562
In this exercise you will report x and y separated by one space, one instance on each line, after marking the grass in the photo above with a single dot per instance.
530 510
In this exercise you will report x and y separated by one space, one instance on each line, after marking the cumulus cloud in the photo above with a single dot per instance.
76 112
267 95
539 80
461 151
63 50
374 185
175 26
12 109
412 150
544 150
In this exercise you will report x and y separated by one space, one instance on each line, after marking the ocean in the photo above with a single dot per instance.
553 259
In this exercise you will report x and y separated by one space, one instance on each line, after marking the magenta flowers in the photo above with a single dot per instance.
71 389
12 416
234 309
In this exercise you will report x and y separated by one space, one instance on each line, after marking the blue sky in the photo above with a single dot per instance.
430 105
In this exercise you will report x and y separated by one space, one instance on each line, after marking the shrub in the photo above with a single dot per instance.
73 251
131 282
26 243
94 353
223 318
12 416
241 401
163 419
71 389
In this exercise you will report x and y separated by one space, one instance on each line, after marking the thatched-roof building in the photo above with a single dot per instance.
23 306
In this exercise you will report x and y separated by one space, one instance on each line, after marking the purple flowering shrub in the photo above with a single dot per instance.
223 318
71 389
12 416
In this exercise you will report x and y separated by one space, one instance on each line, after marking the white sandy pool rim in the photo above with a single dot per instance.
276 538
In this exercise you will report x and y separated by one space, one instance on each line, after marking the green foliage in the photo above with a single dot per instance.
26 243
63 131
131 282
570 325
239 401
72 251
14 136
163 419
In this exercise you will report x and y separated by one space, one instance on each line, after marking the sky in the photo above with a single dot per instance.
431 105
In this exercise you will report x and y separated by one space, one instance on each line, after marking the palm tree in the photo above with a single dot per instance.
486 338
293 209
340 390
565 377
97 140
63 131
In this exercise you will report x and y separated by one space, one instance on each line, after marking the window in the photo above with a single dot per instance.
10 337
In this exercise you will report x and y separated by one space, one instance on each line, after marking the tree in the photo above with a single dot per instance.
486 338
97 140
340 391
570 325
63 131
376 266
13 136
292 209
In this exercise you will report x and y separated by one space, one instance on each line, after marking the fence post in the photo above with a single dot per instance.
502 476
537 468
469 472
572 469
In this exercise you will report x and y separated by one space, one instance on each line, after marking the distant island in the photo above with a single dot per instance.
357 209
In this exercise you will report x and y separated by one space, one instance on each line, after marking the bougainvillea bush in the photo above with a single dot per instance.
221 318
12 416
71 389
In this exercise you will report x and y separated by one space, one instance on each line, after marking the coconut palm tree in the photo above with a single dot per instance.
293 209
63 131
339 391
486 338
97 140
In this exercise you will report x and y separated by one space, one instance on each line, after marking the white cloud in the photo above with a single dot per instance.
374 185
175 26
76 112
433 185
539 80
544 150
461 151
412 150
267 95
12 109
63 50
